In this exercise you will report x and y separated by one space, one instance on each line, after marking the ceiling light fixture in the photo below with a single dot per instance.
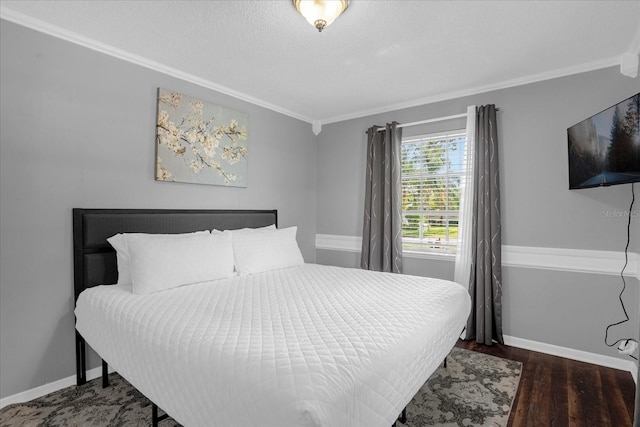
321 13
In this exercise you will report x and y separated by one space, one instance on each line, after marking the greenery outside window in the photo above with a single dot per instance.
433 168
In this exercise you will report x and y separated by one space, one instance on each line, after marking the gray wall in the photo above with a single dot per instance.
78 130
552 307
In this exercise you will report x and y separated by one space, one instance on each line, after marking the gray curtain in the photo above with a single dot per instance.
382 230
485 284
636 411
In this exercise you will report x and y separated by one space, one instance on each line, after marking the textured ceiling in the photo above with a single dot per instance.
380 55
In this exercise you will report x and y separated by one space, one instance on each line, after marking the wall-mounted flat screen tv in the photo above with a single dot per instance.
605 148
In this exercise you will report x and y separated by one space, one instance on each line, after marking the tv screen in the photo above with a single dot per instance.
605 148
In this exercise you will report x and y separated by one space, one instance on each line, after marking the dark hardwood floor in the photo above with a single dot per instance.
561 392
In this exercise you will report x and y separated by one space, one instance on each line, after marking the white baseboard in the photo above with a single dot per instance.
570 353
37 392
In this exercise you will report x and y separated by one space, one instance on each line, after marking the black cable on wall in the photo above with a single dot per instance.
626 341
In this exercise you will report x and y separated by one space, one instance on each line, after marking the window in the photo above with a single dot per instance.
433 168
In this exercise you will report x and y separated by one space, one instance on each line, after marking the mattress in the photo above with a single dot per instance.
306 346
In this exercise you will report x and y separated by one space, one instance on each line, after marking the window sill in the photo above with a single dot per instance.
429 255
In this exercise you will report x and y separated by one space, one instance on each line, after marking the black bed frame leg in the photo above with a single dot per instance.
105 374
154 415
403 416
81 364
445 362
155 419
81 360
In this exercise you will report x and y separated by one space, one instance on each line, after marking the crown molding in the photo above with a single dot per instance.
634 47
630 60
629 65
70 36
563 72
61 33
316 127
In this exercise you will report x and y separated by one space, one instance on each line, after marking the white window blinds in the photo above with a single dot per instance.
433 170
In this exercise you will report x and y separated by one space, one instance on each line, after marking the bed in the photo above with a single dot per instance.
307 345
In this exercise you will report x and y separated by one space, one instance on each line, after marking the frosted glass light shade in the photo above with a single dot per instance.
321 13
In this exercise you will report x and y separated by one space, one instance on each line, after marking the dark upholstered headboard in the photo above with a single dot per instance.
95 260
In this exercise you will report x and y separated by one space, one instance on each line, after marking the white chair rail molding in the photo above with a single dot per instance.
561 259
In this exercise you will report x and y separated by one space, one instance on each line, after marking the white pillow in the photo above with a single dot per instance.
247 230
265 250
159 263
119 243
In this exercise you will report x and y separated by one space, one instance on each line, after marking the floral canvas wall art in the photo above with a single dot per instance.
200 142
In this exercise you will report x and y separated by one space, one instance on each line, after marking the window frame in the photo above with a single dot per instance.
424 249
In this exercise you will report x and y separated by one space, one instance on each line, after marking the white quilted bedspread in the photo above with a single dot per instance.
305 346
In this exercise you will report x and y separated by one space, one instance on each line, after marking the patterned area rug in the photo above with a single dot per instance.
473 390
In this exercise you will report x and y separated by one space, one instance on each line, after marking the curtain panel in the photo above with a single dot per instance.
382 226
464 250
636 411
485 285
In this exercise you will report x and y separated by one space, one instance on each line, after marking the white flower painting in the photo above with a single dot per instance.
200 142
